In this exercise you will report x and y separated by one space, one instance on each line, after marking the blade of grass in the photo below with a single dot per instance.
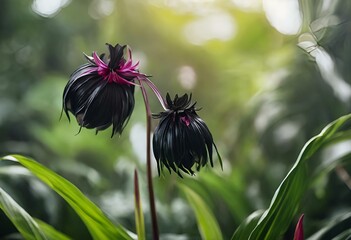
245 228
208 226
139 216
51 232
99 226
335 229
24 223
286 199
226 191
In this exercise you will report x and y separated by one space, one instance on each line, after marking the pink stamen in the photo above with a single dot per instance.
185 120
126 69
102 67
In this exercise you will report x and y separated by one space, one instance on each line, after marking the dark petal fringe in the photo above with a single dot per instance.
179 146
98 104
116 55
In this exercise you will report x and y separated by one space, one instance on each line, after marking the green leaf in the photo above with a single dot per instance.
244 230
51 232
29 227
285 202
24 223
139 216
208 226
338 228
99 226
227 191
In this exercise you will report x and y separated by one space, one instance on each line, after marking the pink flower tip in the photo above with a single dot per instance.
299 229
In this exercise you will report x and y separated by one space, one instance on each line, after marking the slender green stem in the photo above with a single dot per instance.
148 165
139 216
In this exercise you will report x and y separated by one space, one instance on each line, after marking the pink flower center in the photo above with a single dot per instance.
185 120
126 70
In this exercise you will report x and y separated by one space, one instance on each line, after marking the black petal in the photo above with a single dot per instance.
116 54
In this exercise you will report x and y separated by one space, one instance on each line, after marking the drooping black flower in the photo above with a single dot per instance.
182 139
100 93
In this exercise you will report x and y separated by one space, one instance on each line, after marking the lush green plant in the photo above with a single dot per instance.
268 224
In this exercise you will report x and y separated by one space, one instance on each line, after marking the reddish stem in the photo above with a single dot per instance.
148 165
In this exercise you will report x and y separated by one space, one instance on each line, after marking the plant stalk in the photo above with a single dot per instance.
155 233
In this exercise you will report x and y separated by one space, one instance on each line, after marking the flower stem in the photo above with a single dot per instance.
157 93
148 165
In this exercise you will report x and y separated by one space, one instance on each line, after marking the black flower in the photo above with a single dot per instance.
182 139
100 93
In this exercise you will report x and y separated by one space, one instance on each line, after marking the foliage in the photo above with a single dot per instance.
99 226
23 221
208 225
267 225
139 215
276 219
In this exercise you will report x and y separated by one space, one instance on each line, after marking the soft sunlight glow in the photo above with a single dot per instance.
248 5
47 8
267 114
110 200
286 132
328 5
283 15
330 74
101 8
138 141
326 66
219 25
195 6
324 22
336 151
187 77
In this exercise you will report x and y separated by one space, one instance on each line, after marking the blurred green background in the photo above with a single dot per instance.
268 75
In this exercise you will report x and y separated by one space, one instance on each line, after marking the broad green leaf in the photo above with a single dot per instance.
51 232
24 223
244 230
325 167
226 191
338 228
208 226
29 227
139 216
99 226
285 202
